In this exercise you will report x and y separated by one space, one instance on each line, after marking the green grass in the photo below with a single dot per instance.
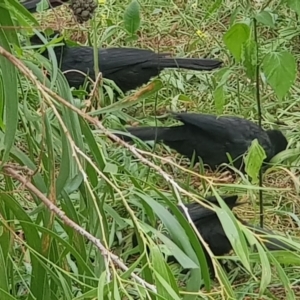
120 192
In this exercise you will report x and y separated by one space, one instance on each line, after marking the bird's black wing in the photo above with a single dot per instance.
31 5
198 212
223 128
210 227
214 235
230 133
113 59
110 60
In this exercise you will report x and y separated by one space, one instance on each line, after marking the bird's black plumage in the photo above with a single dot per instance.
211 229
211 137
31 5
129 68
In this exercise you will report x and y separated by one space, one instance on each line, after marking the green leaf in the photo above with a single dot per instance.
254 160
264 262
132 38
6 296
32 239
21 12
101 285
249 58
266 18
37 72
116 288
143 93
68 176
235 37
132 17
3 276
266 269
42 5
176 232
10 85
234 234
65 287
284 257
2 126
170 249
285 155
184 236
219 99
166 292
294 5
280 71
213 8
225 282
193 282
110 168
290 295
165 281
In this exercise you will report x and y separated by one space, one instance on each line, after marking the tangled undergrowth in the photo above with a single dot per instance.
119 191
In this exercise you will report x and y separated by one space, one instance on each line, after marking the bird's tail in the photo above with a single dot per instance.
35 39
31 5
198 64
146 133
272 243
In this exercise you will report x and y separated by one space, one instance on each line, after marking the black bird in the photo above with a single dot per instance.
31 5
129 68
210 228
211 137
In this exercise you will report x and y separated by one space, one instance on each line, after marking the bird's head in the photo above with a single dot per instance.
278 140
